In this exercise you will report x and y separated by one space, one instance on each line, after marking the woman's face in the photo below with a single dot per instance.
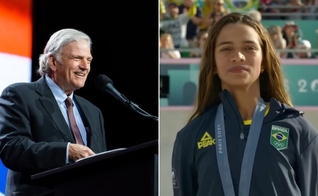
274 36
289 30
238 58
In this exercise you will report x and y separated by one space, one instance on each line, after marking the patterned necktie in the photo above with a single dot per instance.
76 132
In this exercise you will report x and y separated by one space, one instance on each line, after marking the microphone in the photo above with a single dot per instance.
104 83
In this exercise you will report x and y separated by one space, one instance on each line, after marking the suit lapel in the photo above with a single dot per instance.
49 103
87 118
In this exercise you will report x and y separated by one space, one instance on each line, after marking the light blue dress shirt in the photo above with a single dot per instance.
60 98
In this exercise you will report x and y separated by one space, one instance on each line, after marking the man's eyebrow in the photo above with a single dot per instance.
80 56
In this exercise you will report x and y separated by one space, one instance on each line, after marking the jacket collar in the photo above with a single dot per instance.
276 108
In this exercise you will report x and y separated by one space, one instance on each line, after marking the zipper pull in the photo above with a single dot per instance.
242 136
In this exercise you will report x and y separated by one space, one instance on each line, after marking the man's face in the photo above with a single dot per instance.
173 10
70 70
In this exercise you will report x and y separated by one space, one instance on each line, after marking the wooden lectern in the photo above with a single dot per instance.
129 172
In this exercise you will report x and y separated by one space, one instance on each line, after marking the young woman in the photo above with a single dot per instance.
244 138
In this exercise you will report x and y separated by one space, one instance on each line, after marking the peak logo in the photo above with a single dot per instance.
206 141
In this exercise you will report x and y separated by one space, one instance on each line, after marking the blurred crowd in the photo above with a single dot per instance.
184 25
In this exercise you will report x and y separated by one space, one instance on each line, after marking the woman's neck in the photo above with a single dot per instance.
246 100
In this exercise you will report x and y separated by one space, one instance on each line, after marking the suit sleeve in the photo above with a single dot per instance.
18 151
183 173
307 170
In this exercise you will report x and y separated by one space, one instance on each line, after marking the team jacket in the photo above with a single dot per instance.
283 166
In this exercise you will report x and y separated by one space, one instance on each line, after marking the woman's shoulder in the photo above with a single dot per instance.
294 119
196 124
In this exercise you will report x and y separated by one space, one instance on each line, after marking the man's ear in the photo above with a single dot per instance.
52 63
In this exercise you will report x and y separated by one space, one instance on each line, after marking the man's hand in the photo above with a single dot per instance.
78 151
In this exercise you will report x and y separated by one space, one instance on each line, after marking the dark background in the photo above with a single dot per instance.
125 48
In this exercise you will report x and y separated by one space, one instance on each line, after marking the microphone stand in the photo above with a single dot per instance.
137 109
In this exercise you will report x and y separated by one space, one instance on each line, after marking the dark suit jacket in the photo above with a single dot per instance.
34 134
